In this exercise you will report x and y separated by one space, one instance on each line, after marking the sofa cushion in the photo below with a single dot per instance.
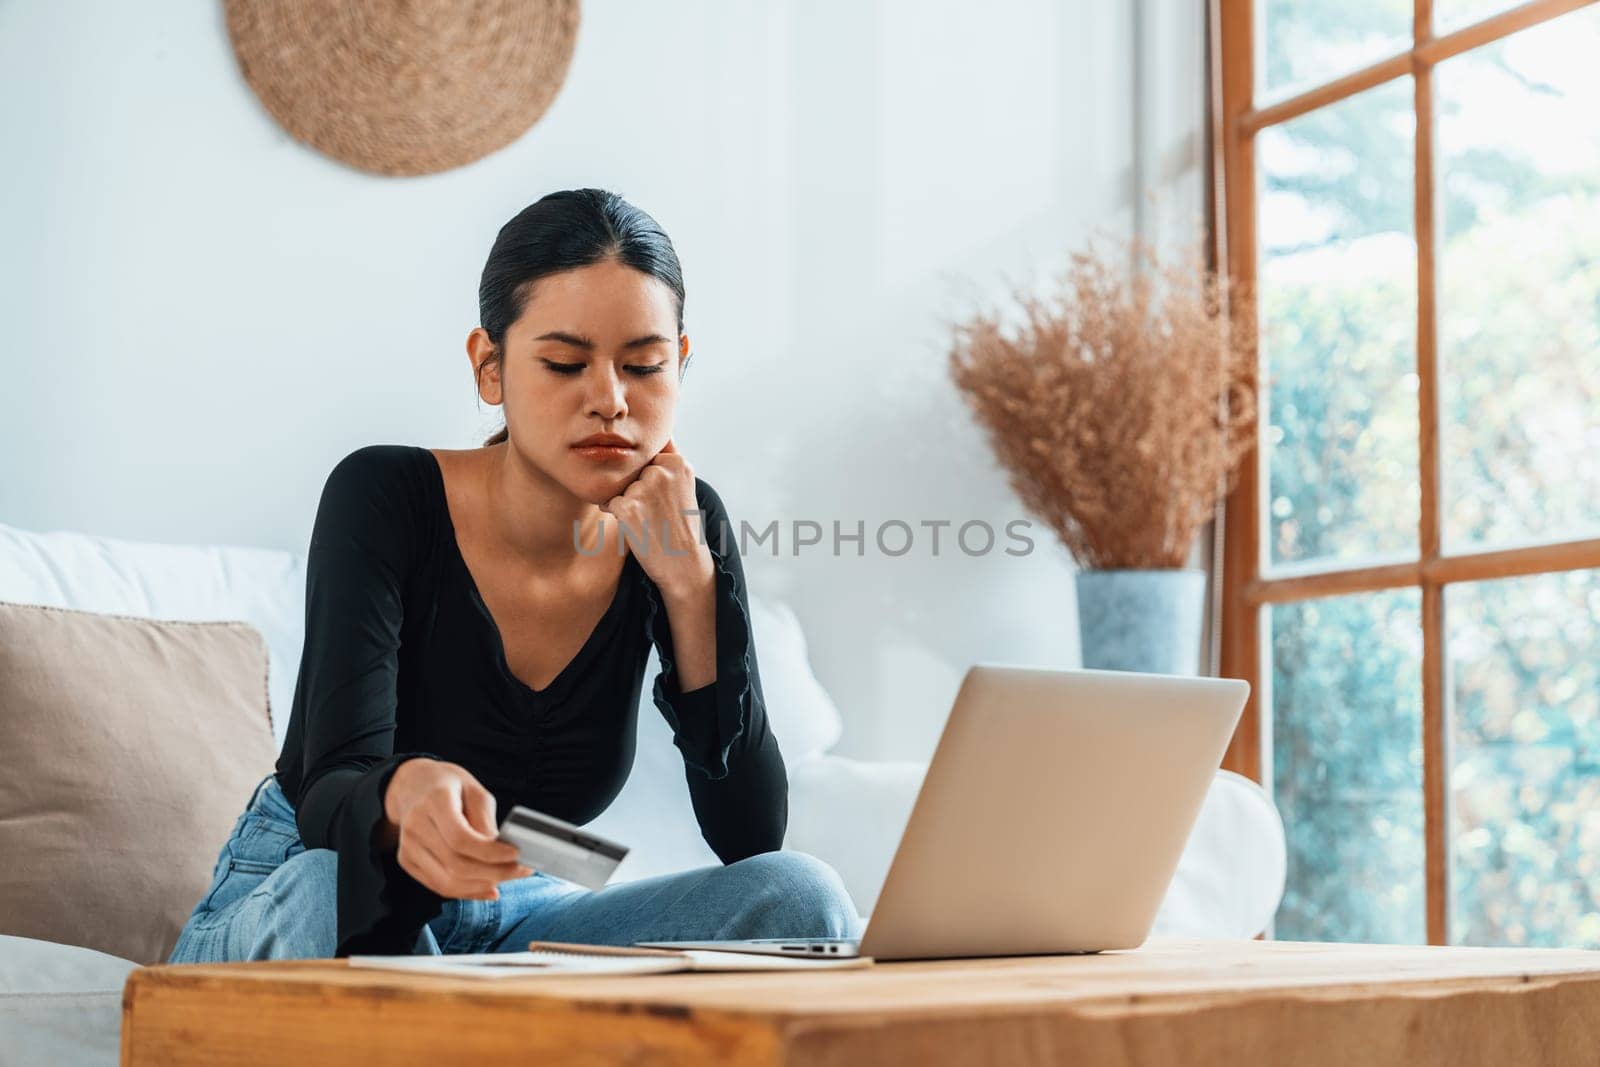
131 747
60 1003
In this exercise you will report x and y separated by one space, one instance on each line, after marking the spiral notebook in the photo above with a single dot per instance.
560 958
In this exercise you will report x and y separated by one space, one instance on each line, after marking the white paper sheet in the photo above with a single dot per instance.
529 964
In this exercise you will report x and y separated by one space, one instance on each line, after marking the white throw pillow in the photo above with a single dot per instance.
187 583
803 715
1231 876
653 815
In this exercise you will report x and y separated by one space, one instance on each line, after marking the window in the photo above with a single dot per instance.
1412 568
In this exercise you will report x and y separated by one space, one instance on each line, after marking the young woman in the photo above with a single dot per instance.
477 633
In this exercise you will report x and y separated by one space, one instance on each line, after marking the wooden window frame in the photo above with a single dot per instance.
1246 593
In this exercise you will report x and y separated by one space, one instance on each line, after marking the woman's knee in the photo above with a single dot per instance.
297 909
793 894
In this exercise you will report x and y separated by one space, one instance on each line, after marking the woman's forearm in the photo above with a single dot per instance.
395 802
692 617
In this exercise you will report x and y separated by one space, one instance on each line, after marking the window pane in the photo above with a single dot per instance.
1338 288
1525 775
1347 766
1308 41
1453 14
1519 310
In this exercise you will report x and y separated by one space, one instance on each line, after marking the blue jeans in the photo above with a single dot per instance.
273 898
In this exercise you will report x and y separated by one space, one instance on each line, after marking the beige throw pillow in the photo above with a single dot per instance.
128 747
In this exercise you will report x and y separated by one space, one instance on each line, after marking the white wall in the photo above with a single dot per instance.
200 316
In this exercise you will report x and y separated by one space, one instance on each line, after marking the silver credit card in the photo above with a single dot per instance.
551 846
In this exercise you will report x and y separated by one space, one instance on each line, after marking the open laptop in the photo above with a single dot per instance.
1051 820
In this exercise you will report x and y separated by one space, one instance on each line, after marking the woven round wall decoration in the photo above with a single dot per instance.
404 86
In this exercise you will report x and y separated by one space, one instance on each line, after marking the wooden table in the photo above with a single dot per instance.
1170 1002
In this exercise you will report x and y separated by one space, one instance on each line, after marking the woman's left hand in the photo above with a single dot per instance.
659 512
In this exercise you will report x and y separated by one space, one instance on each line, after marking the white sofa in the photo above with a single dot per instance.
61 1004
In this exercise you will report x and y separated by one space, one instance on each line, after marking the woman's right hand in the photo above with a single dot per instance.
444 822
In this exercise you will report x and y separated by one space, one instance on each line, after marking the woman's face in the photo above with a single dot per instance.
596 350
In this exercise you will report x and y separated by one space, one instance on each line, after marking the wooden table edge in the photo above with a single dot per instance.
400 986
678 1030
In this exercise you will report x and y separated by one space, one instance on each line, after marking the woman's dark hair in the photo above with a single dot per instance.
563 231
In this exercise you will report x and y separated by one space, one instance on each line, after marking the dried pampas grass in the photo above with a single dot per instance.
1122 405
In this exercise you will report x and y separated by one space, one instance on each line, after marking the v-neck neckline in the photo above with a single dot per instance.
563 678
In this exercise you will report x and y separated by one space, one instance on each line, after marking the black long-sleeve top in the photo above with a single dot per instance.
403 659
